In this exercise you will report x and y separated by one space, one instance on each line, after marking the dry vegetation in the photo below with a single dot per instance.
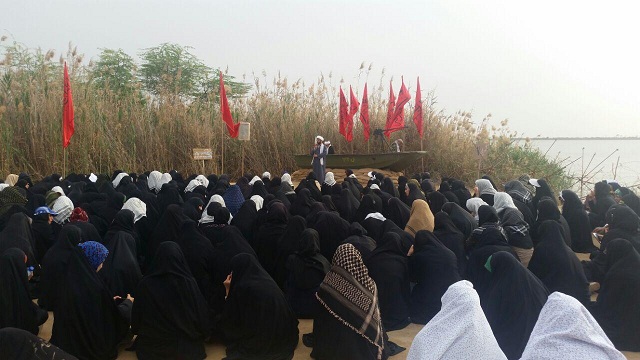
138 131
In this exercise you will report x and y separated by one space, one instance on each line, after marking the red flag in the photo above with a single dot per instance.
390 108
364 113
67 110
345 129
417 111
354 104
398 113
226 112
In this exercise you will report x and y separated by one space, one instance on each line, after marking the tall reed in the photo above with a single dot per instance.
138 133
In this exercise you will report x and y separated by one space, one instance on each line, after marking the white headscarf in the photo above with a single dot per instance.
253 181
153 181
137 207
192 185
217 198
459 330
203 180
485 187
118 178
266 175
57 189
329 179
566 330
501 201
258 200
287 178
164 179
376 215
206 218
474 204
64 207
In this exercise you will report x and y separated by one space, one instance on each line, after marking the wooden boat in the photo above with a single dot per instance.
394 161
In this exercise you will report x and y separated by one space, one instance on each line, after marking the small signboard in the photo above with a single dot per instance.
244 132
202 154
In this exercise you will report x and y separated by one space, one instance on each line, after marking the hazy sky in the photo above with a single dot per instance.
556 68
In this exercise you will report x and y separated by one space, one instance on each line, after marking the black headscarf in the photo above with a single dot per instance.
578 221
345 204
623 223
388 267
557 265
199 254
234 243
461 218
414 194
16 308
402 185
307 265
359 239
167 229
245 220
259 189
328 203
368 205
123 221
270 234
486 240
302 205
168 195
446 231
54 264
398 212
461 191
387 186
333 230
632 201
42 235
257 321
191 208
169 289
512 303
548 210
17 234
17 344
84 301
287 245
120 271
434 268
436 199
616 308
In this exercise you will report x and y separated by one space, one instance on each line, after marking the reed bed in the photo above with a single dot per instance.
137 132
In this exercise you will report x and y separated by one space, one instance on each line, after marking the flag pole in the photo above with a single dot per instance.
242 160
64 162
422 157
222 152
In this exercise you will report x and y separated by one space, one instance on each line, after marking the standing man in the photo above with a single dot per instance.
319 152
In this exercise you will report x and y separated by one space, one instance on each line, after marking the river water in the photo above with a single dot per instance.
596 159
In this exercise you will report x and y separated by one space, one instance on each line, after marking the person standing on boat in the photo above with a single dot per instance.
319 153
330 149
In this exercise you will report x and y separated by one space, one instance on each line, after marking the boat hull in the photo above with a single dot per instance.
390 161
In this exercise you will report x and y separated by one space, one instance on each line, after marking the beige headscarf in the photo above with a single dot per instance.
421 218
11 179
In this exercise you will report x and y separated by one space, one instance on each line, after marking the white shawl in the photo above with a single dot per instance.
459 331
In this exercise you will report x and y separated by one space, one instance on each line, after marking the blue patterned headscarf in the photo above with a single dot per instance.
95 252
233 199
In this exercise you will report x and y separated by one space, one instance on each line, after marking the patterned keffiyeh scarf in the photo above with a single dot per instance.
350 295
